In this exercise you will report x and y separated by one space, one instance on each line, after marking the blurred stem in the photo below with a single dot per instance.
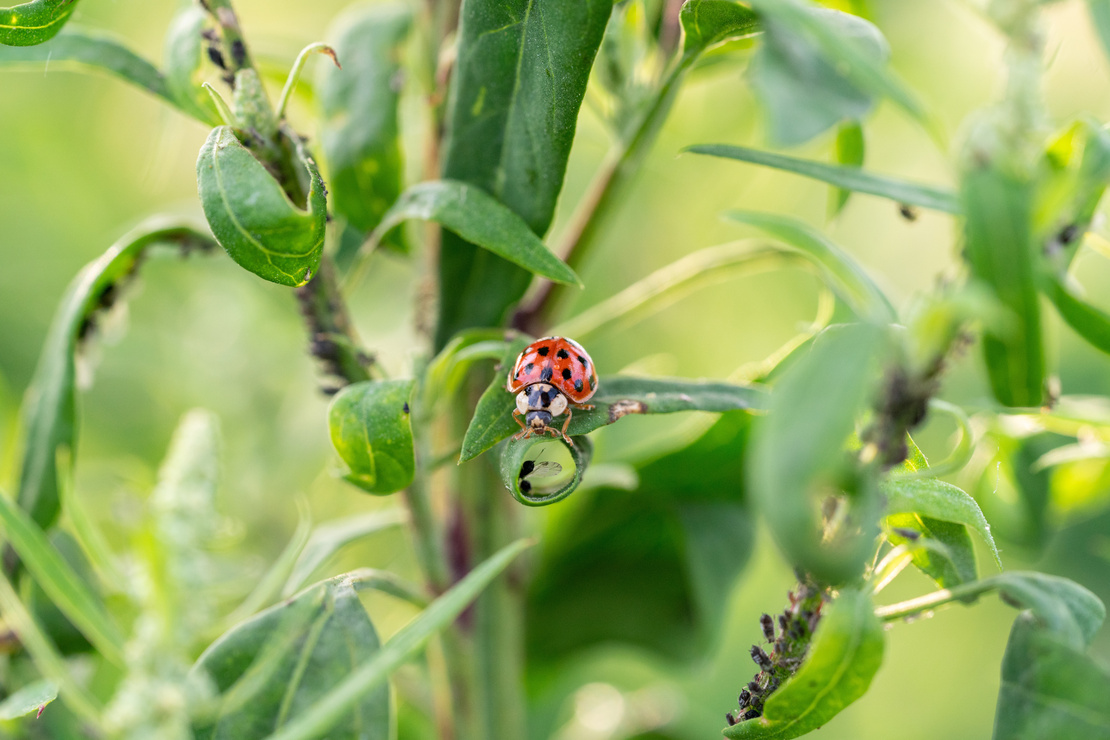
389 583
609 184
965 592
295 73
236 56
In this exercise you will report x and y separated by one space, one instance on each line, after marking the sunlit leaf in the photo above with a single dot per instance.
848 178
253 218
516 88
850 151
272 668
371 429
798 452
845 655
936 499
34 22
50 409
476 216
359 130
950 564
709 22
316 720
843 274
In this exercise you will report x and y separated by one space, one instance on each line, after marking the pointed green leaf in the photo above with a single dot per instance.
848 178
517 465
1089 322
843 659
1002 255
843 274
330 537
617 396
798 453
480 219
950 562
270 669
709 22
371 429
65 588
316 720
50 409
31 698
183 62
253 218
936 499
850 151
359 131
34 22
512 109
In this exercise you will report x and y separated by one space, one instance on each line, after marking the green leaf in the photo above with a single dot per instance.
936 499
1072 177
253 218
1089 322
709 22
34 22
1100 17
1002 255
316 720
359 130
61 583
371 430
818 67
950 564
183 61
843 659
649 566
50 409
516 88
521 483
798 452
842 273
616 397
271 669
327 539
1050 689
1061 606
31 698
68 638
850 151
82 50
848 178
479 218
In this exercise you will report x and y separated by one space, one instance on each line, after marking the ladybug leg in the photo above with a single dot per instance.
584 406
563 431
524 431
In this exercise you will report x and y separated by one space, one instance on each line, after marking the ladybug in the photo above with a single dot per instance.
551 376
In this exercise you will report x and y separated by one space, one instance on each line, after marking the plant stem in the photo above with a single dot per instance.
965 592
332 337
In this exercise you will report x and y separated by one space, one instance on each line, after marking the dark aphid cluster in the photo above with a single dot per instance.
787 649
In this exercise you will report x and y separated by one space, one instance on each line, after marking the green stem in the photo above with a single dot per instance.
295 73
389 583
331 333
965 592
235 53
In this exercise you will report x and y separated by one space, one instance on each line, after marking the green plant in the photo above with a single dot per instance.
817 439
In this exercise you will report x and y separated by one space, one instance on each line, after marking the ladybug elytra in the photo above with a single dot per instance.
551 376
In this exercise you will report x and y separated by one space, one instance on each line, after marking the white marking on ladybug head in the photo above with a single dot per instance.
522 401
558 404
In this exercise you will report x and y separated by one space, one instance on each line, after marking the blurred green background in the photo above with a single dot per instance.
84 158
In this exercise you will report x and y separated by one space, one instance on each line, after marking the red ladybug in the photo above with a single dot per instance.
551 375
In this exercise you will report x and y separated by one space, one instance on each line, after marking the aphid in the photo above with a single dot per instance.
907 212
730 719
768 626
551 376
761 658
753 686
750 714
745 697
1068 234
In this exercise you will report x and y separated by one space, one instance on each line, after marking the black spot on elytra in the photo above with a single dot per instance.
542 351
566 373
526 468
545 376
562 354
584 361
529 367
578 385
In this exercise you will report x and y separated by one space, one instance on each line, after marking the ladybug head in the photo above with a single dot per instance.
539 403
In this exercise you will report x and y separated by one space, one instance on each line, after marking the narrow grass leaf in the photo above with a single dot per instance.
848 178
316 720
1089 322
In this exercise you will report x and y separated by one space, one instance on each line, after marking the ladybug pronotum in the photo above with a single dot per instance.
551 376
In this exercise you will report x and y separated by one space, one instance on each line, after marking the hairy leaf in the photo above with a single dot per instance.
616 397
272 668
50 409
798 451
845 655
513 105
253 218
848 178
371 429
34 22
359 106
478 217
336 703
936 499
